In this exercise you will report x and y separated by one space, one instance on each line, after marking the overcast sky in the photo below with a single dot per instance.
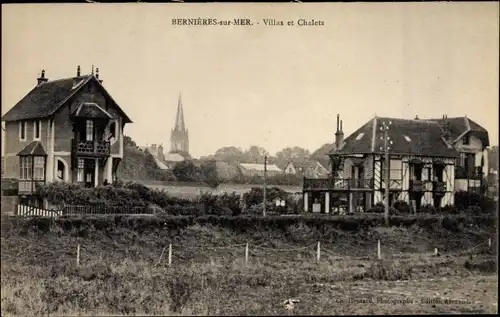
269 86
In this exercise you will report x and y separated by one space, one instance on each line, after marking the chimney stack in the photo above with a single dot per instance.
416 117
42 78
78 71
446 130
339 135
97 75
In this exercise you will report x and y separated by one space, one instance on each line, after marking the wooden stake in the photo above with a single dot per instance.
170 254
78 255
318 252
246 253
379 253
435 251
489 243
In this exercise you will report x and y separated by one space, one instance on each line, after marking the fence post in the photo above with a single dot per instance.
379 253
489 243
435 251
318 252
246 253
78 255
170 254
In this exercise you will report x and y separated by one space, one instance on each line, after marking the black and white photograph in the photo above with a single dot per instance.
212 159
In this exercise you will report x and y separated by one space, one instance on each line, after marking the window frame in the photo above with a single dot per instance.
80 170
22 130
37 130
466 139
89 127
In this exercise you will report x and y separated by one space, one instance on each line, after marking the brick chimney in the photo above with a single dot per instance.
78 71
97 75
161 156
339 135
42 78
445 126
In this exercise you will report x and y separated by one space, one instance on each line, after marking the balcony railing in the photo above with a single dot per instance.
462 172
94 148
439 187
27 187
337 183
416 185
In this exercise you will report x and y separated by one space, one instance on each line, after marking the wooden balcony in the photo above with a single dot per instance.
416 185
91 148
29 187
439 187
462 172
337 184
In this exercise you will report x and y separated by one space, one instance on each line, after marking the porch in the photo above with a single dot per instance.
337 195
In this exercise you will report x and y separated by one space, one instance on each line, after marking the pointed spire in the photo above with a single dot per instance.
179 119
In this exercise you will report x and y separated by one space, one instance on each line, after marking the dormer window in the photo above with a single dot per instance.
466 140
22 130
37 129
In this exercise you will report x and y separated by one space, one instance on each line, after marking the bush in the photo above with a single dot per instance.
464 200
402 207
450 209
428 209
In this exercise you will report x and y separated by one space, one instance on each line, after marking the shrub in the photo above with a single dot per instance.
464 200
449 209
402 207
428 209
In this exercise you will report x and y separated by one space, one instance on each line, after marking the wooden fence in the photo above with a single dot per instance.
73 210
30 211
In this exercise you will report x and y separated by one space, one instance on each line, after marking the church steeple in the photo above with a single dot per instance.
179 119
179 137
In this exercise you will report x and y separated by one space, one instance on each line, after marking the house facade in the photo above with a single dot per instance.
309 169
422 165
64 130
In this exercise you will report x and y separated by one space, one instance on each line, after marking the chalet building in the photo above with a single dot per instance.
309 169
64 130
470 140
425 157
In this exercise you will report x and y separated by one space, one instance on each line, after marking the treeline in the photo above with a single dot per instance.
206 172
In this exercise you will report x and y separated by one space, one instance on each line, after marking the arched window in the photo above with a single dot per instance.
61 170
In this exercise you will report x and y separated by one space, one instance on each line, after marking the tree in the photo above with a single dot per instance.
295 153
256 154
208 171
186 171
229 154
321 154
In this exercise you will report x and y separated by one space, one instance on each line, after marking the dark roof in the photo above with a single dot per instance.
35 148
45 99
459 126
91 110
416 137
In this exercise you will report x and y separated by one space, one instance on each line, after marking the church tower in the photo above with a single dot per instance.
179 136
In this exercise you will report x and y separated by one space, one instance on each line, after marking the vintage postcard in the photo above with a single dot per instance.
249 158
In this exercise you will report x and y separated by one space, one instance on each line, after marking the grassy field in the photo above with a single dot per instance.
124 270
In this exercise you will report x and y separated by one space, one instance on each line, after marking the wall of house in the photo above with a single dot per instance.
475 146
13 144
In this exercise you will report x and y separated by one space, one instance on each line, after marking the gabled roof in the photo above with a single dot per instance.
415 137
459 126
35 148
304 165
91 110
47 98
260 167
